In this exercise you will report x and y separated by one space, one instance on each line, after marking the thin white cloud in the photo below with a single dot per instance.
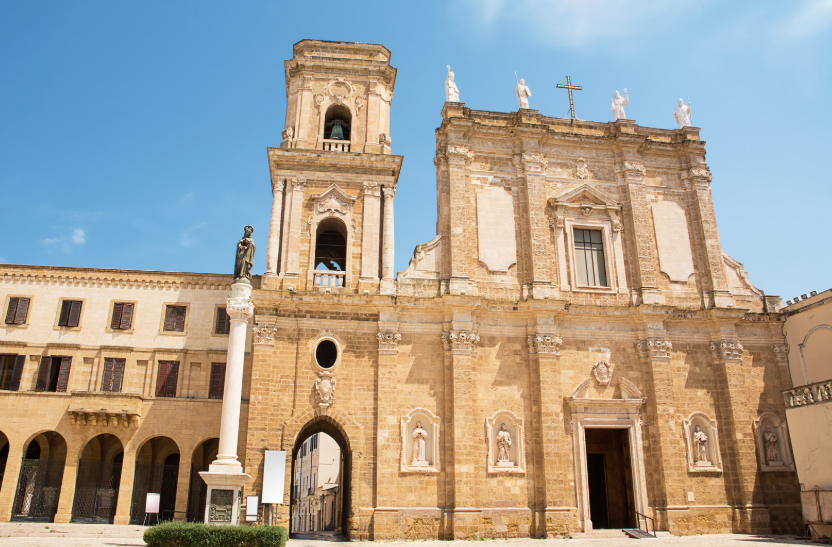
66 243
812 18
78 236
575 23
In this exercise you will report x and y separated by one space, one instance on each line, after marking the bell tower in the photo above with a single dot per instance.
334 176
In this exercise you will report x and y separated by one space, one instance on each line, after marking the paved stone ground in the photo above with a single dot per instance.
80 535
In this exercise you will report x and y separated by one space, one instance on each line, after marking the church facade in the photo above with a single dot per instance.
572 351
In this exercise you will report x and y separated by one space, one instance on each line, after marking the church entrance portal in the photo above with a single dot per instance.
609 478
320 493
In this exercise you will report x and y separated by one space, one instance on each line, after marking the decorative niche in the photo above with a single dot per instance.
420 442
505 439
702 441
772 438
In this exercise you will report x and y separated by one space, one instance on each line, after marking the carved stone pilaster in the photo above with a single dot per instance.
700 176
460 341
654 348
544 344
726 350
388 341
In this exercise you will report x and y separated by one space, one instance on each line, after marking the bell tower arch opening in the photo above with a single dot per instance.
337 123
320 487
331 252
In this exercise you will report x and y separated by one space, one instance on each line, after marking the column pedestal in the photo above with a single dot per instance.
225 477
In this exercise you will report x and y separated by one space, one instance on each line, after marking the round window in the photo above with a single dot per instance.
326 354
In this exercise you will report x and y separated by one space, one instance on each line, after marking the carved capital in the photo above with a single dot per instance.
264 335
239 309
298 183
654 348
727 350
632 171
388 341
460 340
700 176
459 152
530 162
544 344
278 186
389 192
372 189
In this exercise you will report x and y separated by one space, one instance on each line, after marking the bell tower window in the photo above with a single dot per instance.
330 254
337 123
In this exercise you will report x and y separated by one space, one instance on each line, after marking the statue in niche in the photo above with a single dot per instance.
504 444
682 114
618 103
523 94
245 257
770 439
700 452
419 441
451 90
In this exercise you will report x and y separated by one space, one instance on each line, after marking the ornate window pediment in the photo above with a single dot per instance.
333 200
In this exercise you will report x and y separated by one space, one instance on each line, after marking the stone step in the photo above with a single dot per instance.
600 534
40 529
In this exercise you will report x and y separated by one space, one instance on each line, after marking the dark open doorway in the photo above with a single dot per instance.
320 488
609 479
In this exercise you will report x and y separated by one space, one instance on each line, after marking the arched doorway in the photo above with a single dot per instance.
157 471
39 483
320 488
203 456
98 480
4 455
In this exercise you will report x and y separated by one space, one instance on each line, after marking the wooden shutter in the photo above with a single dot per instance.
107 378
22 311
118 374
74 314
127 317
62 319
162 378
217 381
12 311
179 326
118 308
223 321
172 376
44 369
17 372
63 374
170 318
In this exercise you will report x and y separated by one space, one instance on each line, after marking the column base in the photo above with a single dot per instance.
222 500
388 286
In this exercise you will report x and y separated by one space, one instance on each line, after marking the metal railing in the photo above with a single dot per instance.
649 524
329 279
810 394
335 145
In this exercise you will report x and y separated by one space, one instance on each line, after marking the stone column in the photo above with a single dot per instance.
458 159
370 233
125 488
273 245
67 496
225 476
292 268
10 478
387 243
385 518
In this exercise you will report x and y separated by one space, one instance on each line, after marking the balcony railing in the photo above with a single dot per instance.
329 279
810 394
334 145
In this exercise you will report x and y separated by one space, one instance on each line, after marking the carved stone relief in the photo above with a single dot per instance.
772 436
505 439
420 442
580 169
325 389
702 441
544 344
602 372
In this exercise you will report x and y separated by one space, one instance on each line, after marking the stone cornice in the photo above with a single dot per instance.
101 277
297 160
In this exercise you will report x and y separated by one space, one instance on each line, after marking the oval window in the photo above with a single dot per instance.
326 354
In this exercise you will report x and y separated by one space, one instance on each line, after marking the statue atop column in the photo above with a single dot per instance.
682 114
419 436
504 444
700 452
770 439
523 93
245 257
451 90
618 103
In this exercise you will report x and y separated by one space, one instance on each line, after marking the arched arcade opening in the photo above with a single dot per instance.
98 480
320 489
39 482
4 455
202 457
157 471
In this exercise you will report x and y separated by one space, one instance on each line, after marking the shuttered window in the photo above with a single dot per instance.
589 258
113 375
223 322
18 310
174 319
70 313
166 378
53 374
217 381
11 368
122 316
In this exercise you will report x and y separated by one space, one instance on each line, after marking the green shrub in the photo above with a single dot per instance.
196 534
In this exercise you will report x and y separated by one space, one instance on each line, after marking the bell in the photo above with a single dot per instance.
337 132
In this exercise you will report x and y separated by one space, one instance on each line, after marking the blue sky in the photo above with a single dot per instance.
134 134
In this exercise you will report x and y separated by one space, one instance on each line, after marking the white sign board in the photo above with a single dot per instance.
151 505
252 506
274 476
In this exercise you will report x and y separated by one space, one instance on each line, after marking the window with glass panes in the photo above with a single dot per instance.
590 269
